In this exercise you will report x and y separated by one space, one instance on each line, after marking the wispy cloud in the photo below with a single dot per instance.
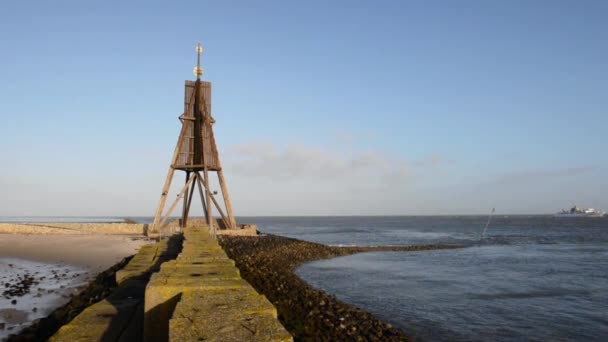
352 138
526 176
433 160
298 161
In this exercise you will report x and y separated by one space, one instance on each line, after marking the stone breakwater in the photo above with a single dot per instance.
268 264
119 316
196 294
74 228
200 296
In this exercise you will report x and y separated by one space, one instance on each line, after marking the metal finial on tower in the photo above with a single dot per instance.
198 70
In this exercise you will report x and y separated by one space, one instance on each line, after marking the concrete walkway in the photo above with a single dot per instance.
197 295
200 296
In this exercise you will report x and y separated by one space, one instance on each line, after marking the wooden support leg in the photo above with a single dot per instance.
163 200
184 220
217 205
208 200
179 197
165 192
232 222
189 202
200 191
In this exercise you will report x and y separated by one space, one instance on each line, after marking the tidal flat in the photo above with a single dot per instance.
31 290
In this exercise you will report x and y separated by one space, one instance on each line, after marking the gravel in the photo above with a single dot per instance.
268 263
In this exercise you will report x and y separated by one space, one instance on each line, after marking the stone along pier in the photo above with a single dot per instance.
196 295
200 296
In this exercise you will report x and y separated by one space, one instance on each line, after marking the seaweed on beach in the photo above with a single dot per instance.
97 290
20 286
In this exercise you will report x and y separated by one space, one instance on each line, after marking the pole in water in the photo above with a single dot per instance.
483 234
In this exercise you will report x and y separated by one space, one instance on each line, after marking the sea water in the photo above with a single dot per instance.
531 278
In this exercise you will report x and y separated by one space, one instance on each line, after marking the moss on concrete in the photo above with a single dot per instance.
119 317
201 296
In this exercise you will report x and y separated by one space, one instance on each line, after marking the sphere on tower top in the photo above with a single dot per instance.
198 70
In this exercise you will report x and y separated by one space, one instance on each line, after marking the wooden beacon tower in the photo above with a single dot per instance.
196 154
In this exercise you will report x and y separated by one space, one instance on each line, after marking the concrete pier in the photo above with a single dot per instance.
200 296
195 295
119 317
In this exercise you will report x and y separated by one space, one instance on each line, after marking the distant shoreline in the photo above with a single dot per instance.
63 219
147 219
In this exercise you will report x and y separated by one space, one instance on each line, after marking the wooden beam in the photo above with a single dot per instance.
168 179
184 220
208 197
194 167
184 117
217 205
179 197
188 203
200 191
232 222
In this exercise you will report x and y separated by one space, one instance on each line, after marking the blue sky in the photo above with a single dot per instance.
322 108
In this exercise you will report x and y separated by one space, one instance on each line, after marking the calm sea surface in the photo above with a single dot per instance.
533 278
530 278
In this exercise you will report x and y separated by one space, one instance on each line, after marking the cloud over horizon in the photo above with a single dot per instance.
297 161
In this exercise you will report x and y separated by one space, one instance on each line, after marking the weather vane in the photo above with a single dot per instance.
198 70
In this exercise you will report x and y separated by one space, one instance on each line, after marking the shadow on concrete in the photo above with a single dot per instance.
160 317
128 299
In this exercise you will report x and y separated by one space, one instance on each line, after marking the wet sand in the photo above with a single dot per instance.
39 273
97 289
31 290
95 252
268 264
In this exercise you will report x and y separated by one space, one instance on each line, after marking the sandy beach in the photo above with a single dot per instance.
39 273
94 252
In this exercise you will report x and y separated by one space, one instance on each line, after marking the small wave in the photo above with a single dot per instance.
516 240
529 294
342 245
